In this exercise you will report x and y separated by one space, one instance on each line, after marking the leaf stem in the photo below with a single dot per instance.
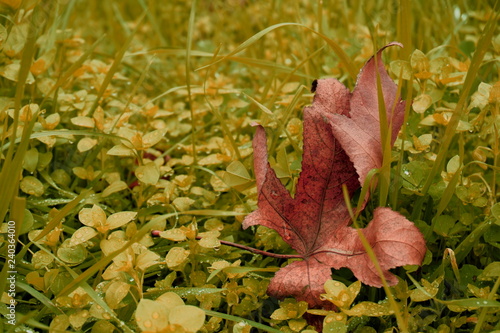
156 233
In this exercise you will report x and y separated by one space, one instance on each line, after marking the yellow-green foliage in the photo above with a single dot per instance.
119 117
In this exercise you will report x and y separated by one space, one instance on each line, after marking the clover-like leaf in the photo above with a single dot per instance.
82 235
118 219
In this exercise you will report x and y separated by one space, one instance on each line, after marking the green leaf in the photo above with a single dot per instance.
32 186
72 255
443 224
491 271
369 309
414 175
115 293
237 176
82 235
460 305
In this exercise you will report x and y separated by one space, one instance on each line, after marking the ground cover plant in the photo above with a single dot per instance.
123 117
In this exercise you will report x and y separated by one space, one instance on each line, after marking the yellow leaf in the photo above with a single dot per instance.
182 203
77 319
422 103
176 257
51 121
114 187
86 144
118 219
152 138
146 259
98 216
170 300
176 235
150 317
35 280
148 173
120 150
188 317
83 121
115 293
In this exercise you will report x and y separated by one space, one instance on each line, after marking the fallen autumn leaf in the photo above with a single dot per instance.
341 145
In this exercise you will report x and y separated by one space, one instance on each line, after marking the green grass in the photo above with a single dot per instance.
95 95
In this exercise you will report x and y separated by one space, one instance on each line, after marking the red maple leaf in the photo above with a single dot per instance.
341 144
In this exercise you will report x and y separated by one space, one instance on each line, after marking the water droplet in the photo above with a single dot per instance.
155 315
148 323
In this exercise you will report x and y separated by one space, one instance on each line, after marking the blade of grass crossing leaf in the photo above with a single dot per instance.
344 58
466 303
405 19
64 133
174 89
463 249
283 122
261 63
397 184
101 264
402 323
9 184
289 75
39 296
192 15
385 139
65 211
17 212
365 189
247 43
89 290
218 115
448 192
242 320
262 107
484 312
76 65
153 21
482 47
67 14
288 111
452 185
114 67
129 100
9 176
